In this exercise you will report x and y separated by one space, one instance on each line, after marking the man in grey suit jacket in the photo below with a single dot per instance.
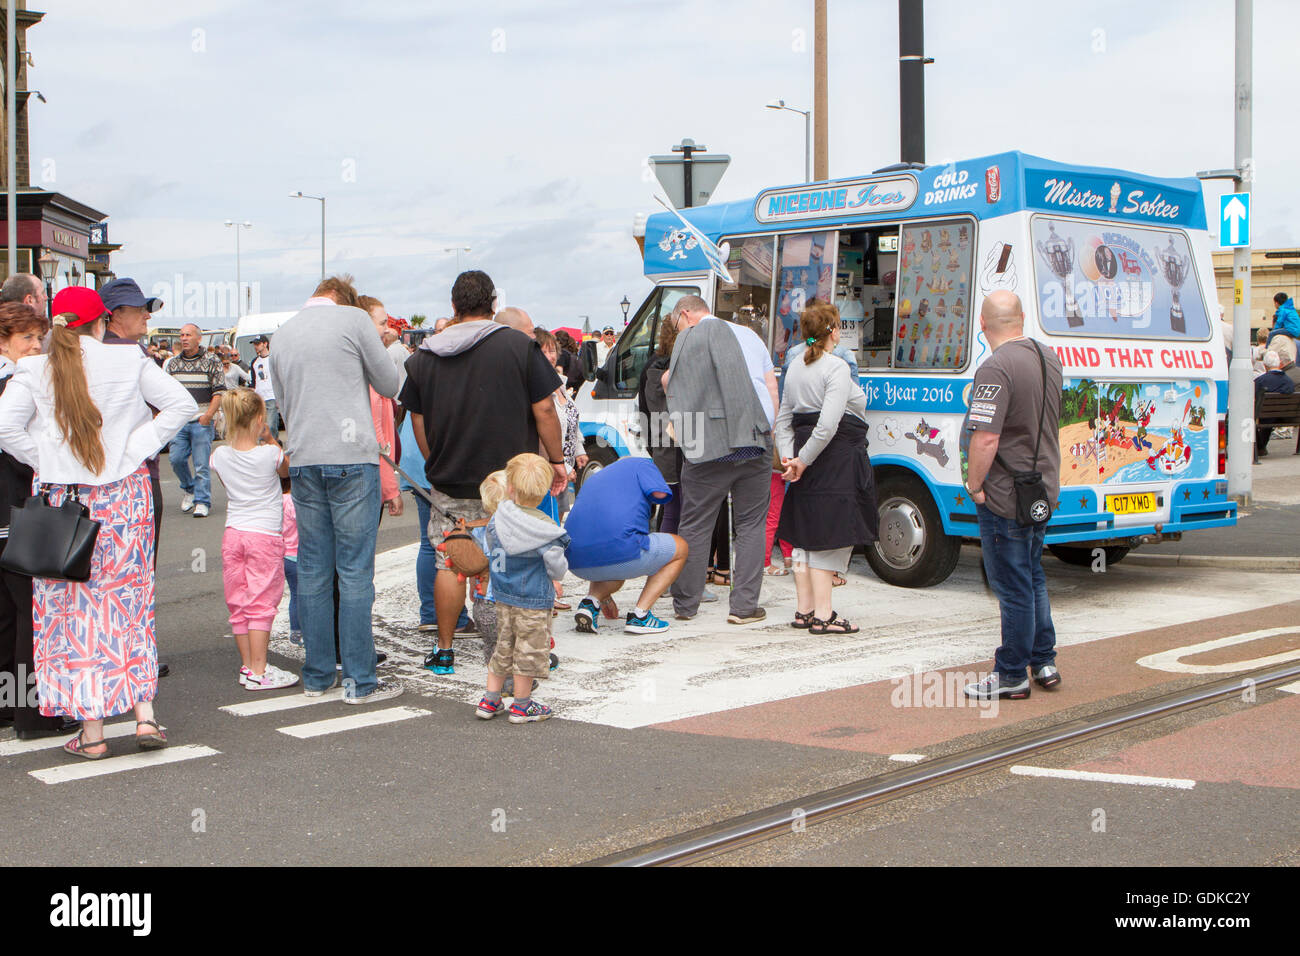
722 401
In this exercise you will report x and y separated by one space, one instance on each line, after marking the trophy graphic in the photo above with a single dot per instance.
1174 268
1059 256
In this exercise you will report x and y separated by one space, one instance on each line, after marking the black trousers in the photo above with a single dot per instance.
18 683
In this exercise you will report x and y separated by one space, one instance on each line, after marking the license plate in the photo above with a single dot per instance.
1132 504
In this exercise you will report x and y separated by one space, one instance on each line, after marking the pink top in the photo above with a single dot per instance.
290 528
381 412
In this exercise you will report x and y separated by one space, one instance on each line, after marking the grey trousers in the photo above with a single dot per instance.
704 487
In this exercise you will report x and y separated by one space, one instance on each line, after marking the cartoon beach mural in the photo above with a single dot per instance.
1121 432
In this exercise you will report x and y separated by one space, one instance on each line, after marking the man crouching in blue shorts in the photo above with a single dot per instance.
610 542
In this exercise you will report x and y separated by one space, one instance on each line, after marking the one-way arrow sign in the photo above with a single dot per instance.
1234 219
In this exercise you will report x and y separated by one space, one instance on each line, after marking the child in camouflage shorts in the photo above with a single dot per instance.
525 551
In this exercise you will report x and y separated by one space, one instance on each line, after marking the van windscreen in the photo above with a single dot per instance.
1116 280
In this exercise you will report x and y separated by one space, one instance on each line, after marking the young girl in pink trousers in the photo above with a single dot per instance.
252 549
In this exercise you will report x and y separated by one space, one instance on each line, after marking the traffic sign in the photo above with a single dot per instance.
1234 219
704 173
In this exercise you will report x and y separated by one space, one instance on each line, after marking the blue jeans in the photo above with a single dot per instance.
426 570
193 441
291 578
338 522
1013 558
273 417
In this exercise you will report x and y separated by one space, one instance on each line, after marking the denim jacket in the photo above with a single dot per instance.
525 551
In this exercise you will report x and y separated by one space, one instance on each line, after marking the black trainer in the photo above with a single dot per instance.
1047 676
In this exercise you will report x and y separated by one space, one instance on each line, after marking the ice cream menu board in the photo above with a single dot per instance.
805 274
934 270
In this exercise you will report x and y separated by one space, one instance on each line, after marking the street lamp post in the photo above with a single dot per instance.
239 290
807 127
49 264
458 250
625 305
321 199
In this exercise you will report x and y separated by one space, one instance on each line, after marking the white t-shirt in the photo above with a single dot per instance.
262 372
252 487
757 361
397 351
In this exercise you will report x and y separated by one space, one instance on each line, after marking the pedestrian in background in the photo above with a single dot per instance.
718 365
821 436
201 375
1011 427
80 416
652 401
27 289
21 331
260 381
335 474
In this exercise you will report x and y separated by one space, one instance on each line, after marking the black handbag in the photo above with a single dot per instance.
49 542
1033 509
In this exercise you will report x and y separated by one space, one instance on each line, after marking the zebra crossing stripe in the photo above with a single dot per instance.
270 705
97 768
336 725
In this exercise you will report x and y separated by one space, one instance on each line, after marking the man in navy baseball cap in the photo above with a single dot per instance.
122 292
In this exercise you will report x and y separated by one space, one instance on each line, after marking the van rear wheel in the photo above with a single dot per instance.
598 456
913 551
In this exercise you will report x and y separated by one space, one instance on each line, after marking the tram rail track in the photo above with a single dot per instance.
735 833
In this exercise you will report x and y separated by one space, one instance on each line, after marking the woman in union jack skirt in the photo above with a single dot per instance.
80 417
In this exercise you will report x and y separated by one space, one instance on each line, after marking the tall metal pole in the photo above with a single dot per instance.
11 108
239 285
821 156
807 146
911 81
1241 386
322 238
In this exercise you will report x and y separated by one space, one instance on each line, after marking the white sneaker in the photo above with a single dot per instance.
273 679
244 673
200 511
187 503
384 690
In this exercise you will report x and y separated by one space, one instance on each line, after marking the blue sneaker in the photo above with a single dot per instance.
487 709
586 615
535 710
440 661
647 623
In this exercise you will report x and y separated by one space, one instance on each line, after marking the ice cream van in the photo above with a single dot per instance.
1114 271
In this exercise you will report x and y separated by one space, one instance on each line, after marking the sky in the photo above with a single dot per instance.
520 130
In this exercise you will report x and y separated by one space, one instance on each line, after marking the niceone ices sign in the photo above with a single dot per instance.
847 197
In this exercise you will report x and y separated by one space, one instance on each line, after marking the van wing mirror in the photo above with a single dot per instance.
589 361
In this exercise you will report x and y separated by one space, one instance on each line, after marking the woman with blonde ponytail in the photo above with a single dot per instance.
821 436
79 416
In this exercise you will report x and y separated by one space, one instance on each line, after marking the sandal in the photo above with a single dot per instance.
838 580
154 741
832 625
563 606
78 744
721 578
802 621
775 571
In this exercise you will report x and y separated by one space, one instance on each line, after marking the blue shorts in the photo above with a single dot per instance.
651 559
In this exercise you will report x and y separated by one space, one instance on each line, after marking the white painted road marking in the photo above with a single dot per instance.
1175 783
1291 688
336 725
706 666
11 748
96 768
907 758
1171 660
270 705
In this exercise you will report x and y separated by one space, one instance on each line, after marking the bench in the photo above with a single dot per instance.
1273 410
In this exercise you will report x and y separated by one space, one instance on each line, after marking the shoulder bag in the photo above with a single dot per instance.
49 542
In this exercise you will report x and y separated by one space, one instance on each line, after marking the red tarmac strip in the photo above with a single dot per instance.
1257 746
898 716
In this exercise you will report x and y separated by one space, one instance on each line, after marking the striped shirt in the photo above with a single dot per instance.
201 375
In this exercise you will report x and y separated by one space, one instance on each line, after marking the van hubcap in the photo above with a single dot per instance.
902 533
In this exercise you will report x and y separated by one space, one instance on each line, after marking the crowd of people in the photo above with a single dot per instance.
738 465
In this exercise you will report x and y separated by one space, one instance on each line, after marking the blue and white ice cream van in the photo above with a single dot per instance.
1115 274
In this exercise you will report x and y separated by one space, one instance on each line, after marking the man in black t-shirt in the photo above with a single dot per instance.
1012 426
478 394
